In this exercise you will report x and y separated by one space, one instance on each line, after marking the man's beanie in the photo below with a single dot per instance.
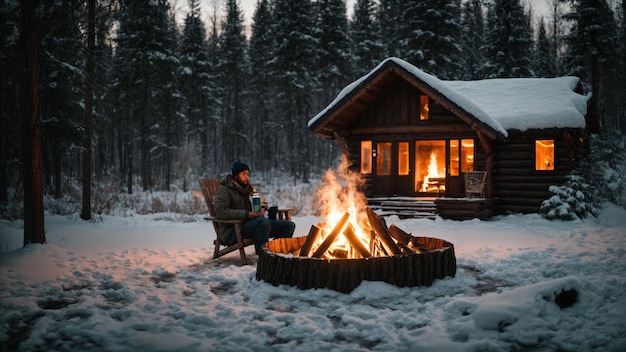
238 166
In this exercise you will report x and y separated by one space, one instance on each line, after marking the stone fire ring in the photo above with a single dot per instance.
276 267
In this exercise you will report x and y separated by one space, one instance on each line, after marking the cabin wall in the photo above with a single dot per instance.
518 187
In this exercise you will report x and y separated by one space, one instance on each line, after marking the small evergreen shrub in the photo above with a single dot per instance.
570 201
600 177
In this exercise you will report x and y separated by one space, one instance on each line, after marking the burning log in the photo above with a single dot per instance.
377 248
313 236
382 232
406 249
332 236
399 235
355 242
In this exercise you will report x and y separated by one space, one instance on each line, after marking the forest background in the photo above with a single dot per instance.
143 98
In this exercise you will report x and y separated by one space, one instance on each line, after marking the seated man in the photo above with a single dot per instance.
232 201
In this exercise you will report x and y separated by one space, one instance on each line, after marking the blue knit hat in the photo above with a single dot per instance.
238 166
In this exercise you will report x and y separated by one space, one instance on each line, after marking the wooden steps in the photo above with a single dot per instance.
404 207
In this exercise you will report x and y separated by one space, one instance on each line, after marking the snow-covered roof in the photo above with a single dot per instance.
502 104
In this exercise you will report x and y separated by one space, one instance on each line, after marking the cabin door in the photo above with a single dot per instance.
461 160
383 168
403 180
392 168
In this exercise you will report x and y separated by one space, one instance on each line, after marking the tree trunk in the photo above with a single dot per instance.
85 213
33 186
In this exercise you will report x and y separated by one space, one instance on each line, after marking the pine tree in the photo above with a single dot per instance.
214 115
620 120
34 231
261 50
557 28
85 212
170 104
431 36
472 34
390 19
198 89
335 63
62 97
508 41
544 64
591 54
106 175
233 78
292 73
146 90
11 64
367 46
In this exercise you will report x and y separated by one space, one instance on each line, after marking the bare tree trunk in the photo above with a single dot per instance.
33 185
85 213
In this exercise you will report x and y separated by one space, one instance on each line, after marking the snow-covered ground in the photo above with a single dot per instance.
148 283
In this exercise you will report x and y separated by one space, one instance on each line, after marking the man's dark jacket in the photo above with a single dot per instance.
232 202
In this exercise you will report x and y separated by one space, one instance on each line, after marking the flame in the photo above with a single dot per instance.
339 194
433 171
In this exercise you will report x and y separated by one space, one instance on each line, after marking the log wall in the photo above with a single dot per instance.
520 188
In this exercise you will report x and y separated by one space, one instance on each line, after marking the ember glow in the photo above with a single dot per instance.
433 172
338 195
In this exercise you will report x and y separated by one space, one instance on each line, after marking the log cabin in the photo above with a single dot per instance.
413 136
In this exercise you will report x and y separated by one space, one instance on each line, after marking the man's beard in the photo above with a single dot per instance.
240 182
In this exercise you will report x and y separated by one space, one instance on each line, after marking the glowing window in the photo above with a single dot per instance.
430 166
423 107
467 153
403 158
366 157
383 158
544 154
454 157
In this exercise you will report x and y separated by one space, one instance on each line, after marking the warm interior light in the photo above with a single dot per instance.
430 166
544 154
403 158
366 157
424 107
433 172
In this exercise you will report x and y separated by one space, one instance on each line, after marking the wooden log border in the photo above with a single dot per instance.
277 267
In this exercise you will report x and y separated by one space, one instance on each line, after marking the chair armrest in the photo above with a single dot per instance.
225 221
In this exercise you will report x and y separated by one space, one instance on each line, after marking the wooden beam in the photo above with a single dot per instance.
412 129
486 144
342 144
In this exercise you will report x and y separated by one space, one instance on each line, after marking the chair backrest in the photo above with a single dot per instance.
475 182
209 187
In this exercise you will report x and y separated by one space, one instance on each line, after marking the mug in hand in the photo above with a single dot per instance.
272 212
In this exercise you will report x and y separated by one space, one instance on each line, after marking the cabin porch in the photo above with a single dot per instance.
430 207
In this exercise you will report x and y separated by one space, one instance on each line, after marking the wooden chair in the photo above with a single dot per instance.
209 187
475 183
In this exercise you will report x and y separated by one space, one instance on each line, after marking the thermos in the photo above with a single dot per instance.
256 202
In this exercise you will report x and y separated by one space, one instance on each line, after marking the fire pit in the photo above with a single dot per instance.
393 256
353 244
